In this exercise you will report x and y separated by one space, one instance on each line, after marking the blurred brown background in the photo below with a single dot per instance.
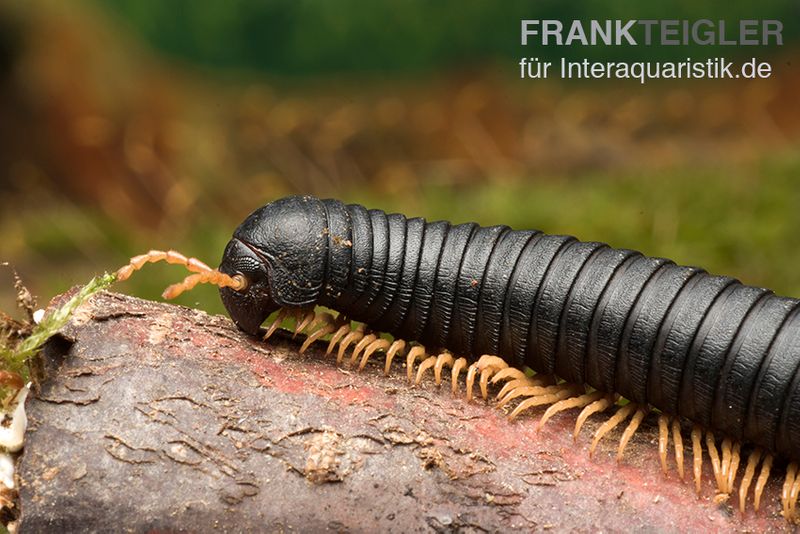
128 125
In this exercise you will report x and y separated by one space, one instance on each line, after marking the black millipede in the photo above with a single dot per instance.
596 324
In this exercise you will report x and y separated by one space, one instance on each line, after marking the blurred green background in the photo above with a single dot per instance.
127 125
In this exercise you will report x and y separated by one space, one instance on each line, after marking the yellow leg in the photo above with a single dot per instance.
528 391
355 335
360 346
747 479
323 325
417 351
426 364
276 323
734 466
459 365
508 373
337 336
304 319
788 484
397 347
562 392
793 500
487 365
511 385
676 436
443 359
766 466
622 414
631 430
378 344
597 406
697 452
663 440
725 465
711 445
568 404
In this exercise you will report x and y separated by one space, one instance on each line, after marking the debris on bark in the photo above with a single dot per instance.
154 417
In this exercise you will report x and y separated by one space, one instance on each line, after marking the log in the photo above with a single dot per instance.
154 417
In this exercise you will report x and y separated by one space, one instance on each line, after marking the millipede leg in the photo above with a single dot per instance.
426 364
487 365
418 351
621 415
489 360
788 484
360 346
337 336
747 478
723 488
320 320
563 392
320 333
734 466
443 359
323 324
636 420
515 378
437 363
711 445
725 465
459 365
568 404
473 369
663 440
793 500
697 453
676 436
378 344
511 385
484 381
508 373
766 466
304 319
398 345
354 335
528 391
276 323
597 406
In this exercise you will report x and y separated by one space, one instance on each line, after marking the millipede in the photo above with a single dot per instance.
552 321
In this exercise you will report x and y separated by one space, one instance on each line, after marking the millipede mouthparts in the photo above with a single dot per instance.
596 325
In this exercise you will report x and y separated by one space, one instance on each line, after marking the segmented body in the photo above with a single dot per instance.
708 348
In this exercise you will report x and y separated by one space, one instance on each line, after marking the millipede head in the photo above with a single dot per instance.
281 250
202 273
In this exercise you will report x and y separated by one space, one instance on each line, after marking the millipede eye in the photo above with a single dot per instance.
240 281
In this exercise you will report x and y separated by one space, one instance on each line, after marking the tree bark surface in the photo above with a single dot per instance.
154 417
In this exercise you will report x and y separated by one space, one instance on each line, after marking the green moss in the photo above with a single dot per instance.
15 358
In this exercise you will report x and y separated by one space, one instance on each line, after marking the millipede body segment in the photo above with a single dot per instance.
706 348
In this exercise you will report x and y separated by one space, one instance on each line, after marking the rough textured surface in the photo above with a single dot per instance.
156 417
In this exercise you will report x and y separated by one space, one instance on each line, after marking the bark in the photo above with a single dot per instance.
153 417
